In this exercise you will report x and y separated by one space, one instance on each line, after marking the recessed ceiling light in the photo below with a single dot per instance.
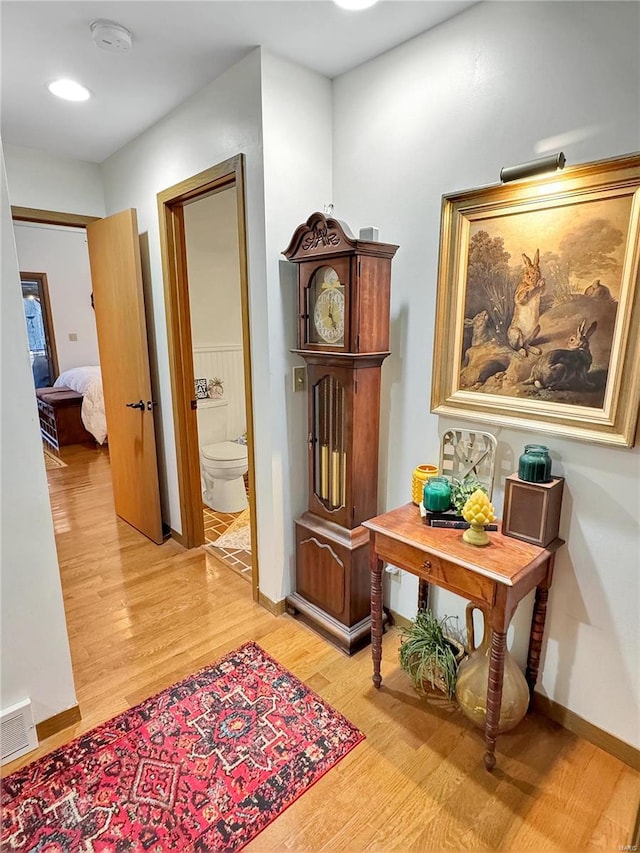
69 90
355 5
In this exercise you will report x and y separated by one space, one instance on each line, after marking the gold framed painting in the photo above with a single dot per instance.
538 314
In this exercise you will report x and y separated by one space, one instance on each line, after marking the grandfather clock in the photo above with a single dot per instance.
343 335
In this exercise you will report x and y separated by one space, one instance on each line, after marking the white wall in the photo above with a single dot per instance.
61 253
297 129
443 113
211 231
35 648
46 182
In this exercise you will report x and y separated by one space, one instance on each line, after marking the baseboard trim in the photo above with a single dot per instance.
55 724
275 607
398 620
586 730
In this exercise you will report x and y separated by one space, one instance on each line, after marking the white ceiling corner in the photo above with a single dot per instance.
178 47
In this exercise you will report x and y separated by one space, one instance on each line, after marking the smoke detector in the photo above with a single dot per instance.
110 36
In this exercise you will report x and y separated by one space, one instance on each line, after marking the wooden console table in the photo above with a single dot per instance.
496 576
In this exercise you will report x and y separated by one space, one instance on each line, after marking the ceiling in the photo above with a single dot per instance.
178 47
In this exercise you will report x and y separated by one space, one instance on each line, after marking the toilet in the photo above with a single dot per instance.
223 463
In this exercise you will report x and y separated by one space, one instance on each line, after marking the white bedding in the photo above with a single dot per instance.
88 382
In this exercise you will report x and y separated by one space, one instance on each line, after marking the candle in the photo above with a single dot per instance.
437 494
534 466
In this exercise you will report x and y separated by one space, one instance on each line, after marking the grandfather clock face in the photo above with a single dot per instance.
325 308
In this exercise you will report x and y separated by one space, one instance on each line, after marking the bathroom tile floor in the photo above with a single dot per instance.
215 524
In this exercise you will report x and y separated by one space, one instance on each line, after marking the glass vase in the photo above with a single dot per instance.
473 680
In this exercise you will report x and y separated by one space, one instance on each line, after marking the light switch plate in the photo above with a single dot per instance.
300 378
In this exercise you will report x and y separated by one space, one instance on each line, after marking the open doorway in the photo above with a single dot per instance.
202 228
55 285
213 270
94 272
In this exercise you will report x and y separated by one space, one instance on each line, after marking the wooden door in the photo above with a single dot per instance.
114 256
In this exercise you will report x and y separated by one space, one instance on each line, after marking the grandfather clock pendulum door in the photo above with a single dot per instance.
343 335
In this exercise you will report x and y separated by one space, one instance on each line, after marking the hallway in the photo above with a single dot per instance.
141 617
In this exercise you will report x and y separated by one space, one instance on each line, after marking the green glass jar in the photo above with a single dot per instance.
534 466
437 494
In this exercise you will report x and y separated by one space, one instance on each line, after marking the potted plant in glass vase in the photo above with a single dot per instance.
429 654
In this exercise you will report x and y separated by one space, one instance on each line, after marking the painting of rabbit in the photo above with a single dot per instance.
538 303
566 368
541 300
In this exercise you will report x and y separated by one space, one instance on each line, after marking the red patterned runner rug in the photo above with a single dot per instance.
203 766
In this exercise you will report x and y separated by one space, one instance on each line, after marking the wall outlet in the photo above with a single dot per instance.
300 378
73 336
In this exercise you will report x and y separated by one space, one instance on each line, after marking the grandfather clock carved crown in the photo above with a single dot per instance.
343 335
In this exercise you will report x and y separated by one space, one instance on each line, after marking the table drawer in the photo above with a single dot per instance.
435 570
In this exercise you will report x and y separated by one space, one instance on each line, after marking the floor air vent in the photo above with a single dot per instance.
17 731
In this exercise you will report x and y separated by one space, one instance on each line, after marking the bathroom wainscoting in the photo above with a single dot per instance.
225 361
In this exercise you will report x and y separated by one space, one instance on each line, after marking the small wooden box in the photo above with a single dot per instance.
532 510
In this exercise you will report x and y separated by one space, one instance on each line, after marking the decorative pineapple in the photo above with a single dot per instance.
478 511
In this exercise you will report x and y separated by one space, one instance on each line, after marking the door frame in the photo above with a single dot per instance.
47 318
226 175
51 217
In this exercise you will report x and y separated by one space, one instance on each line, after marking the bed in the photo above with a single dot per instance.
88 382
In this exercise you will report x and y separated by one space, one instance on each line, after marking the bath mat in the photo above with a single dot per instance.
237 537
205 765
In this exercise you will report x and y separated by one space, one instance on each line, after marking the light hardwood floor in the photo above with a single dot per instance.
142 616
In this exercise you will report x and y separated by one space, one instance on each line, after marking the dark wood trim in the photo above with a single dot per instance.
50 217
55 724
587 731
171 203
351 360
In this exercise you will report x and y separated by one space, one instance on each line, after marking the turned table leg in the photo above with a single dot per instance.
535 638
494 696
376 615
423 594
